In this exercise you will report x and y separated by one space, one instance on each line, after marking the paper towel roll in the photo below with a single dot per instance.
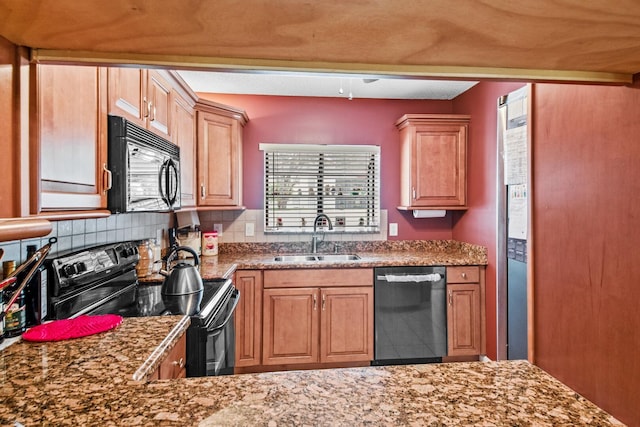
188 219
428 214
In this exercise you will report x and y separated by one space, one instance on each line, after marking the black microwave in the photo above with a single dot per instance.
145 169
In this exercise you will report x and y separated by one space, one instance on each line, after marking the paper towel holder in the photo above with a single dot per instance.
429 213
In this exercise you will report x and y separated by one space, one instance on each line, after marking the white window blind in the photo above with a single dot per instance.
305 180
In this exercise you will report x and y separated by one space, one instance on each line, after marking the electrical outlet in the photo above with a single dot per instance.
218 228
393 229
249 229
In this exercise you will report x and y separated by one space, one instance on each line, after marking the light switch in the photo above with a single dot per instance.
393 229
249 229
218 228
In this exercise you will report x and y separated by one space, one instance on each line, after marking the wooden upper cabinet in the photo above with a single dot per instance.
220 155
183 134
159 97
68 137
127 94
433 151
141 96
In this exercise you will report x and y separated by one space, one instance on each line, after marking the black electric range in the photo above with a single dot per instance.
103 280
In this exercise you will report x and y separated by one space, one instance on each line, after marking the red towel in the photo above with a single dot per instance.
65 329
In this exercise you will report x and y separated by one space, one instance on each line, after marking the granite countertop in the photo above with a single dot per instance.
89 381
260 256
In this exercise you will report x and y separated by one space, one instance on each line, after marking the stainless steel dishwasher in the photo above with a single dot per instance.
410 315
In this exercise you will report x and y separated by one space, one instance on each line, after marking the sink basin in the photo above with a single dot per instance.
294 258
316 258
338 257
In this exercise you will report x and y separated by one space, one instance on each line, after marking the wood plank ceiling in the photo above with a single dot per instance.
594 40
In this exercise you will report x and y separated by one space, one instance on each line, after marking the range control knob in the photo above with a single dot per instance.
80 267
68 270
127 252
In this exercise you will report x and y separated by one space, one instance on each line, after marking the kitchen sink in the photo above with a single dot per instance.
316 258
338 257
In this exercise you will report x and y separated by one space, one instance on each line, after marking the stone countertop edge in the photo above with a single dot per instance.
162 350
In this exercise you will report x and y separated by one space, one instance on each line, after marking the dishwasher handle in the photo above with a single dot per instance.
405 278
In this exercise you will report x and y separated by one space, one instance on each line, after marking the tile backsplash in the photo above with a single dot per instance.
234 223
81 233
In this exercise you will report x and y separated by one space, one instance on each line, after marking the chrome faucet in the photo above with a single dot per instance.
314 238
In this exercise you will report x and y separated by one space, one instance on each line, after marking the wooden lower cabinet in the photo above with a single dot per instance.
248 318
465 311
316 325
173 366
310 325
346 324
291 323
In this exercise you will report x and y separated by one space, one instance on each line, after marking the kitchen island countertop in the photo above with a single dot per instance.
88 381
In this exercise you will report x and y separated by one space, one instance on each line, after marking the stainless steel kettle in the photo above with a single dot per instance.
183 278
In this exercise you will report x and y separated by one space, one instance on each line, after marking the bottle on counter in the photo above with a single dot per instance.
15 321
210 243
145 264
157 256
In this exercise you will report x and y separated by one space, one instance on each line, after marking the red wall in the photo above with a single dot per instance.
478 224
285 119
586 156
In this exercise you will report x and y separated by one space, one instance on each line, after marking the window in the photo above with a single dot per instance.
304 180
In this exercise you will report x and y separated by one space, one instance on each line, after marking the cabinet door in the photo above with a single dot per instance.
439 166
248 318
70 137
219 160
346 324
173 366
127 94
290 329
464 323
184 136
159 96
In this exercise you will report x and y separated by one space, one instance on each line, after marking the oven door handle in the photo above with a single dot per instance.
219 328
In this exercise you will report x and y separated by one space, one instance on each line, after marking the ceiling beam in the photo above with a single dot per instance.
269 65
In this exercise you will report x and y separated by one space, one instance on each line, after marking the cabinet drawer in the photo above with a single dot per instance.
467 274
318 277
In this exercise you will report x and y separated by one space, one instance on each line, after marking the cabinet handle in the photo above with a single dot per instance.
413 192
106 177
150 108
450 298
315 303
464 275
323 301
145 108
179 363
153 117
202 191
